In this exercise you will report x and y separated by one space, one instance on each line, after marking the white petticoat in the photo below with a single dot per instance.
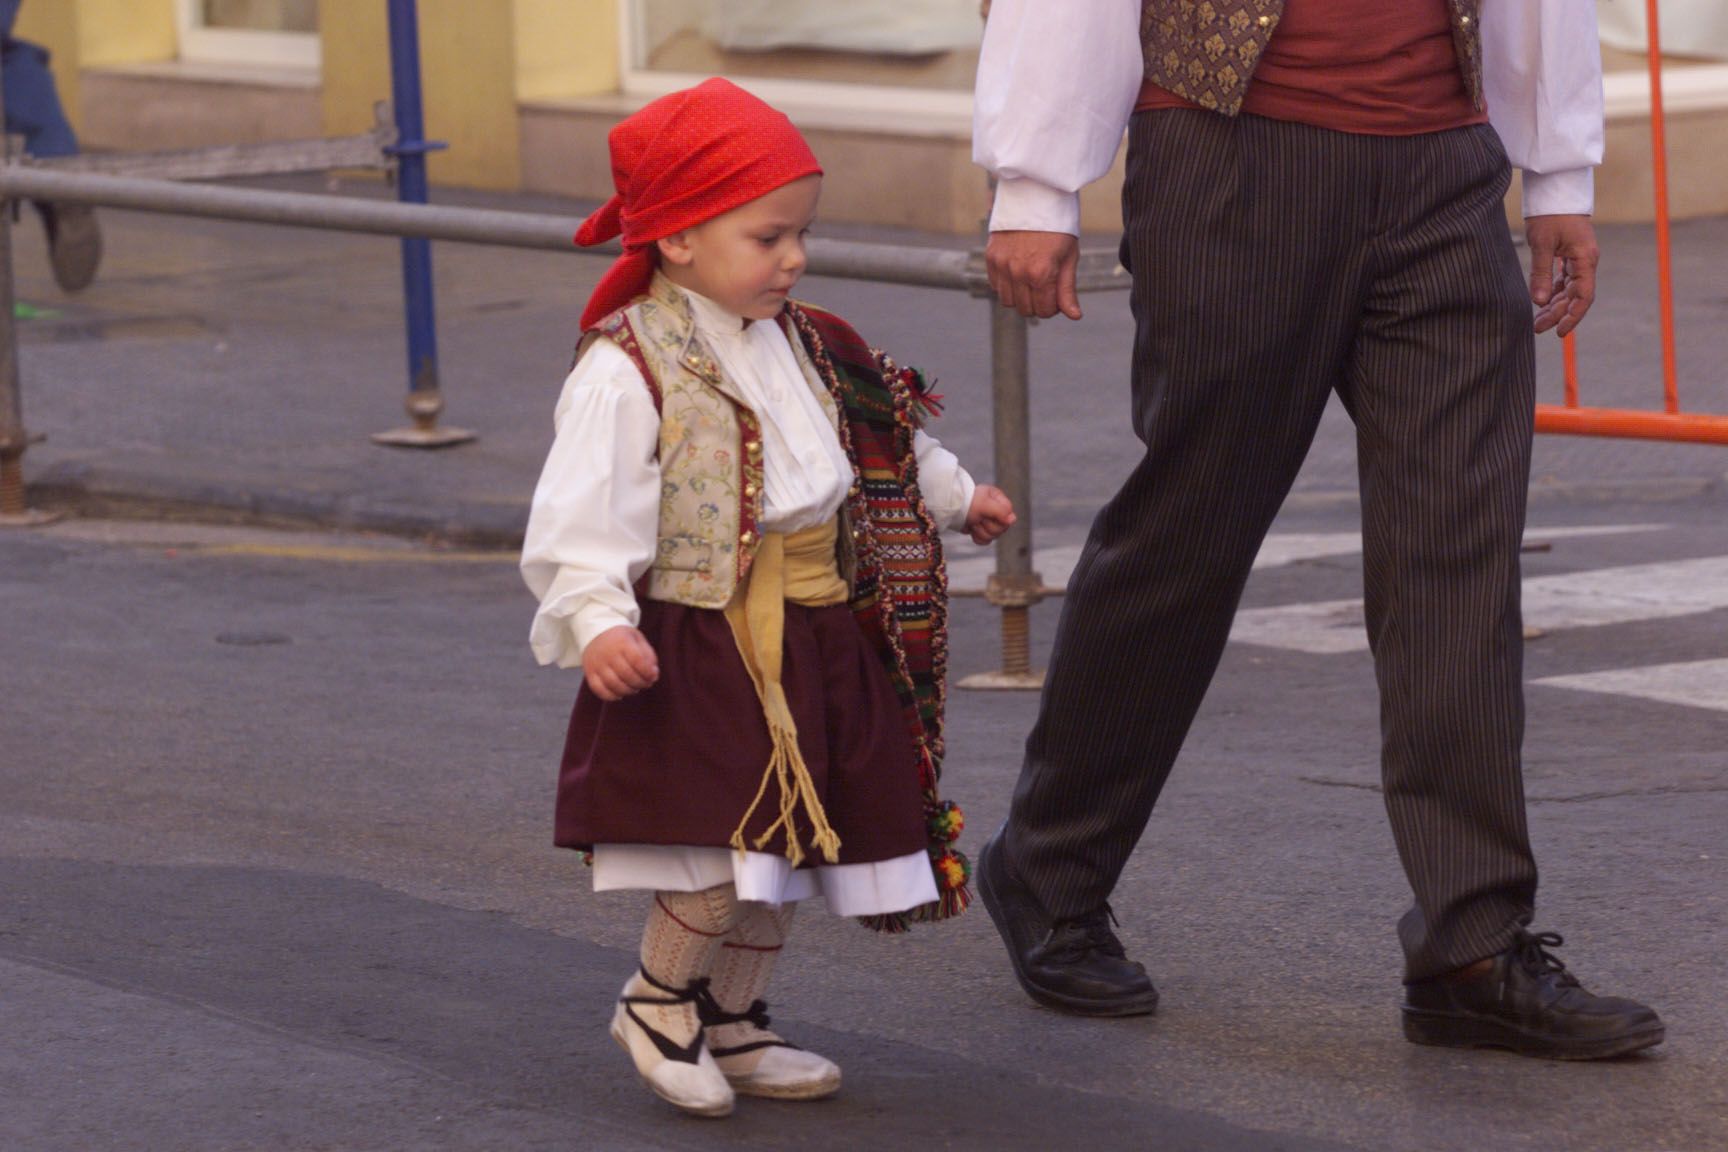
848 889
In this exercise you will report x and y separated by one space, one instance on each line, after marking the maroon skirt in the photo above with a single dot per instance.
679 763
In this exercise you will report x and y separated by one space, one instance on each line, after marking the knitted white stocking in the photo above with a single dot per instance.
683 936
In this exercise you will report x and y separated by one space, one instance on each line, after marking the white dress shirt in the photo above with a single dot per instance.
1057 82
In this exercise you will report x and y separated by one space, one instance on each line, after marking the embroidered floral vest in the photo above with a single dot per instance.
711 485
1206 50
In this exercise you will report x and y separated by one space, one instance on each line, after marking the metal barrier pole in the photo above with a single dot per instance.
14 513
1659 174
1014 587
425 398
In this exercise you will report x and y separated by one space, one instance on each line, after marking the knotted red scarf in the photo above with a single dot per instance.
685 158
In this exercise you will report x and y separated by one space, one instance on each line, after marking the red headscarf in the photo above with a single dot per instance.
685 158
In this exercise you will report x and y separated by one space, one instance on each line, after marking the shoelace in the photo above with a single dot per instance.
1531 949
1089 933
708 1010
712 1015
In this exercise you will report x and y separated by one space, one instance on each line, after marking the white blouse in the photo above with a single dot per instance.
1057 82
596 510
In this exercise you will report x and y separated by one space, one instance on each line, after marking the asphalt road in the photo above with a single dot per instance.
275 873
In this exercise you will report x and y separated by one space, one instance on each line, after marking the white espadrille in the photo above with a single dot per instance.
779 1071
686 1076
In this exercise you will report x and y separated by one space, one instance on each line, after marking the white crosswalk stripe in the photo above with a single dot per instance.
1698 684
1573 600
1593 598
969 567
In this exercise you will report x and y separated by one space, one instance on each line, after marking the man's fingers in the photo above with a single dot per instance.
1581 285
1067 295
1541 269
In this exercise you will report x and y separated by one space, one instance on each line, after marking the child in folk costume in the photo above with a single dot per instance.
735 537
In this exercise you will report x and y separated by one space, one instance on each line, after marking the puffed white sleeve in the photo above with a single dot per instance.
1542 77
594 519
946 486
1056 84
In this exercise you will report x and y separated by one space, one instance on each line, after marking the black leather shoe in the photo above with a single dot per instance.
1529 1003
1076 965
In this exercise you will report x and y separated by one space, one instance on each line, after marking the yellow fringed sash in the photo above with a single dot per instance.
799 567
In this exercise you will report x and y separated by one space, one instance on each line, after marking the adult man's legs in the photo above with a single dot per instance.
1245 237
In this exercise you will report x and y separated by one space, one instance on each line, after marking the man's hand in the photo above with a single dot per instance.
990 514
619 662
1563 257
1033 272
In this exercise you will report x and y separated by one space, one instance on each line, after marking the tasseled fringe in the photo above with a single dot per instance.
953 879
786 767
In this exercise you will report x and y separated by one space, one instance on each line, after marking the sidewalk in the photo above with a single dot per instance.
236 371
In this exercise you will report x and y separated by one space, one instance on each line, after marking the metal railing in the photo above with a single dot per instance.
1014 587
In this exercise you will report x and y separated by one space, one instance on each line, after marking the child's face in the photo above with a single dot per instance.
748 259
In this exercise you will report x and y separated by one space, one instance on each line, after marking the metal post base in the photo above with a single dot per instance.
424 405
30 518
1017 674
423 437
1004 681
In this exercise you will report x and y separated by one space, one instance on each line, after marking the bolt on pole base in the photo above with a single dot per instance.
1017 673
14 512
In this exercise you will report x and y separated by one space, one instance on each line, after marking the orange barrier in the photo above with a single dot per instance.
1670 423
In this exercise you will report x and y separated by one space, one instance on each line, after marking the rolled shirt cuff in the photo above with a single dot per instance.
1568 193
1024 205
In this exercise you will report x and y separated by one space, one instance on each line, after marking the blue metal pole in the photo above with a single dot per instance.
425 399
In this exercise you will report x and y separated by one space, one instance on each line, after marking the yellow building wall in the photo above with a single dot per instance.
476 62
123 31
474 66
566 48
89 33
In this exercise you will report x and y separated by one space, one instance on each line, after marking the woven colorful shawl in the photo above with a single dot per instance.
900 590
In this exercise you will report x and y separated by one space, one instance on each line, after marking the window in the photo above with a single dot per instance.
281 33
899 57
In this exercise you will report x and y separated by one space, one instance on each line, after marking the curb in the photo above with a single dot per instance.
92 492
97 493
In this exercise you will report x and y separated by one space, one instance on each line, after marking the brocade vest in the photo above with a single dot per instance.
1206 50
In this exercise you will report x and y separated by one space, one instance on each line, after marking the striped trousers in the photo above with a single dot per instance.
1273 265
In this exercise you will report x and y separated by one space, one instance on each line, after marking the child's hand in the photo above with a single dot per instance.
990 515
619 662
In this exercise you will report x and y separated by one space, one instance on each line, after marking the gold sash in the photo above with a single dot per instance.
799 567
